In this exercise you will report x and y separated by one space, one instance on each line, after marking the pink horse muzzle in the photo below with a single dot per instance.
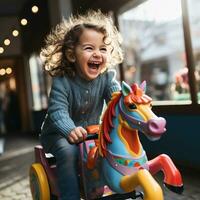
156 127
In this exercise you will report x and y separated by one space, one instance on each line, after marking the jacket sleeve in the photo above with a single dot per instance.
112 85
58 108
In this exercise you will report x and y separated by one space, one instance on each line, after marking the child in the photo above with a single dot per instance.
77 54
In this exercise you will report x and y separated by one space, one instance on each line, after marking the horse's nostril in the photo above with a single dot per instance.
157 126
153 125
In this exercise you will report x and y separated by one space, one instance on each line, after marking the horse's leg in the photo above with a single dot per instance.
172 176
152 190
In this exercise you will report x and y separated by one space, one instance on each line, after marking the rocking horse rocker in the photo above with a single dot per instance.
115 162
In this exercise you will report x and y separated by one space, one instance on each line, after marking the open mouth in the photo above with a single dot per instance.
94 65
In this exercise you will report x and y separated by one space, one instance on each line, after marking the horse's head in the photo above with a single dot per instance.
135 108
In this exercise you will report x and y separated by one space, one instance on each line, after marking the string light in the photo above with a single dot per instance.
24 22
8 70
7 42
1 50
15 33
34 9
2 71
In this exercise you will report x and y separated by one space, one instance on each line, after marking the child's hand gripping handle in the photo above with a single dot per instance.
92 133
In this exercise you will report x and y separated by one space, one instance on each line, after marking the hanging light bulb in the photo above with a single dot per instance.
8 70
34 9
7 42
2 71
1 50
15 33
24 22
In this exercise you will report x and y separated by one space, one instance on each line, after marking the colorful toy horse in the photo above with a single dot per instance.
122 164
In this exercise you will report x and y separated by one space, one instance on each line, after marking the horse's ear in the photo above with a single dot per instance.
126 89
143 86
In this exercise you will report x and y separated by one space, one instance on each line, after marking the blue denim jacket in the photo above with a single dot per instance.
76 102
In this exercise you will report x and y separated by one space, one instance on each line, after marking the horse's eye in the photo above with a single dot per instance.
132 106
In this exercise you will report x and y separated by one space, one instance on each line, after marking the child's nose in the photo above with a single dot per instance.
97 54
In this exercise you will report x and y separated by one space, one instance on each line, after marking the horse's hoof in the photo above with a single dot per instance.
176 189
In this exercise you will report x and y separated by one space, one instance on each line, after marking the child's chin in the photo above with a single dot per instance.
92 76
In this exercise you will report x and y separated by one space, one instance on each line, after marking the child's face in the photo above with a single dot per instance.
91 54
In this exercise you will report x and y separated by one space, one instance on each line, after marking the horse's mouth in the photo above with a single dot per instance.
153 138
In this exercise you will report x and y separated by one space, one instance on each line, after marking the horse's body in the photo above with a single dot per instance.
123 163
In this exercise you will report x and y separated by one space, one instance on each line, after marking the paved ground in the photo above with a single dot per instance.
15 162
18 156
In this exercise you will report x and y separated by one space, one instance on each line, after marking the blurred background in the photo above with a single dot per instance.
161 45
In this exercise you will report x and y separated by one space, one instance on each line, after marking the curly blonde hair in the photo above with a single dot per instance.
66 36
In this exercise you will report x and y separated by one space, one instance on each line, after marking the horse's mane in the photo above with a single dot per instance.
107 122
137 96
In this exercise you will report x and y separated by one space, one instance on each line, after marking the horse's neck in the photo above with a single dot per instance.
125 141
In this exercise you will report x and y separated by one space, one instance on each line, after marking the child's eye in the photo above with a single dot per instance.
103 49
88 48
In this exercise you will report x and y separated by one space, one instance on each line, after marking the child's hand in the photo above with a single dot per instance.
76 135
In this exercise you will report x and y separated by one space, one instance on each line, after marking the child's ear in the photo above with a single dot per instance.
70 55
